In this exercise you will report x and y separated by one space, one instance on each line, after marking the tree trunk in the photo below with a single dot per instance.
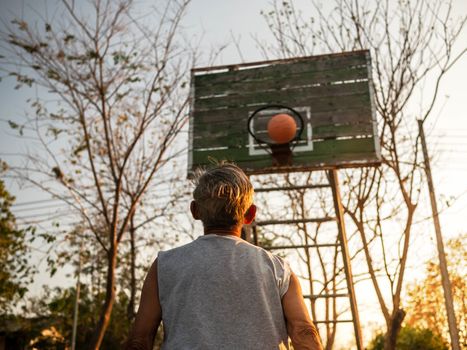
394 328
106 311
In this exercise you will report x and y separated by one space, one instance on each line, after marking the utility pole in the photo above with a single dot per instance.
453 332
78 288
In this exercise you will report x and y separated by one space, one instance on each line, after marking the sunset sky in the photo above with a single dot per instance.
216 23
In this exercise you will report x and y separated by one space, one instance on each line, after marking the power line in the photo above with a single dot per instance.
461 129
449 143
38 208
27 203
448 136
441 210
39 201
157 204
60 213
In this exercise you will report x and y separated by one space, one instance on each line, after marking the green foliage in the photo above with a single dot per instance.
411 338
15 272
54 318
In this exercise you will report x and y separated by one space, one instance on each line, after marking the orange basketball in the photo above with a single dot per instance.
282 128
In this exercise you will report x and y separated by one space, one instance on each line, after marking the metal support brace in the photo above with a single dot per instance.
333 180
303 246
294 221
290 188
318 296
333 321
247 233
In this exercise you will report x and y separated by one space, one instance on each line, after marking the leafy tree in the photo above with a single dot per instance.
15 271
426 305
49 324
120 100
412 339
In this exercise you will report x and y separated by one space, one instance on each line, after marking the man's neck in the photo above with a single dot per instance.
223 231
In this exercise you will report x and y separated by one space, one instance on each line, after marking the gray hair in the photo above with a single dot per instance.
223 194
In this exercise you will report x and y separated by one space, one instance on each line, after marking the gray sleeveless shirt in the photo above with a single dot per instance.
220 292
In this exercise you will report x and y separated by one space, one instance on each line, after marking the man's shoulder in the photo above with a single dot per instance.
200 243
176 250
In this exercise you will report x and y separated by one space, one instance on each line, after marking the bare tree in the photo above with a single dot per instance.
141 233
410 42
119 102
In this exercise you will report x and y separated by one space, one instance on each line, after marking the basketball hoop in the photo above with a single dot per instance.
276 132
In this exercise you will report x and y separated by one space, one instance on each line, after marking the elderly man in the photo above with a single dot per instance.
219 291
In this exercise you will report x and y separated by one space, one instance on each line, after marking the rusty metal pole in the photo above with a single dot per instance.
453 331
333 180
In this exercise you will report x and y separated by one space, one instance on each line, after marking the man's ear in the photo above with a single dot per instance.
194 210
250 215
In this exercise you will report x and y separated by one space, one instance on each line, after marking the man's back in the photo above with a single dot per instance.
220 292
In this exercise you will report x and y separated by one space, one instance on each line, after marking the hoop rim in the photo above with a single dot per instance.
278 106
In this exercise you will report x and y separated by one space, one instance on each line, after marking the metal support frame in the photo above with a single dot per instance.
304 246
297 221
250 234
333 179
290 188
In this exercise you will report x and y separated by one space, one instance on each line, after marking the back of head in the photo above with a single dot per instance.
223 195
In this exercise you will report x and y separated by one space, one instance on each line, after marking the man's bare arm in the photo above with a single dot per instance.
300 328
149 314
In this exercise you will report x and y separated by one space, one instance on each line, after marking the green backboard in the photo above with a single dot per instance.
332 93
